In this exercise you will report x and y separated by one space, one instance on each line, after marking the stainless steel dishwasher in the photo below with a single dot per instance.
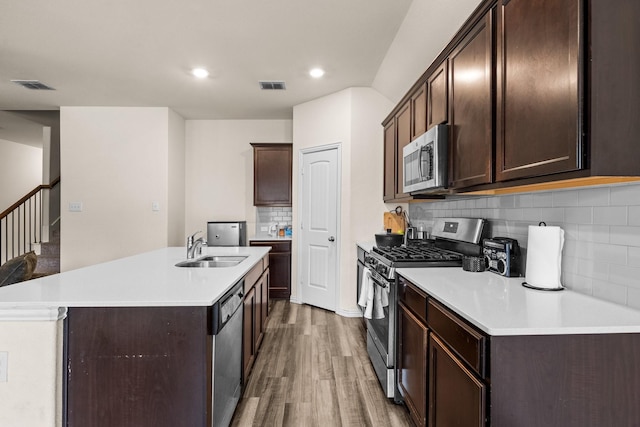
226 322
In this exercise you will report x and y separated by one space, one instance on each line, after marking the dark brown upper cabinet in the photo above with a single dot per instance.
419 112
272 165
389 185
470 112
403 137
538 83
438 96
537 95
397 134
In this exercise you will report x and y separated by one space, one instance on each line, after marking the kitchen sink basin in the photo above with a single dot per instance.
212 262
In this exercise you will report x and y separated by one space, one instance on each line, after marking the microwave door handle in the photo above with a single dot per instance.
421 151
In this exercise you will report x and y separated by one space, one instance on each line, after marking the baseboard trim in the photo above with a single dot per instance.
349 313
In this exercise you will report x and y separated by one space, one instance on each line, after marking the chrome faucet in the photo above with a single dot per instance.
194 247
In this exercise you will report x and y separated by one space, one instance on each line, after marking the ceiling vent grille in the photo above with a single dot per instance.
272 85
32 84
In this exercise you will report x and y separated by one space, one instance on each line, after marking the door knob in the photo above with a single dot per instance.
332 239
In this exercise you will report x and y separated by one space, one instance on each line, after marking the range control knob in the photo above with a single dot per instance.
382 269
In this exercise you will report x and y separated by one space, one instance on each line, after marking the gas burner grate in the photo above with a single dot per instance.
417 253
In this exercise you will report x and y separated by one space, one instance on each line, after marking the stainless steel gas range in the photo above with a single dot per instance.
454 238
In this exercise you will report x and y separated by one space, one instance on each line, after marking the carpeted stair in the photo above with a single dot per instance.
49 258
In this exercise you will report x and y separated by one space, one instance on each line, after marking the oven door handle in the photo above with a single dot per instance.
378 280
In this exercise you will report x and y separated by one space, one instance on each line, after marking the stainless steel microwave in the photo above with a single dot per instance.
425 162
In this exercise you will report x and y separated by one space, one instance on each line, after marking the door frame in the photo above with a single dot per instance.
301 153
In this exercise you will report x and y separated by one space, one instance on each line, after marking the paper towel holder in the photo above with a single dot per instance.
526 285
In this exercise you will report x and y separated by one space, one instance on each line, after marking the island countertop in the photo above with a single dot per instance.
147 279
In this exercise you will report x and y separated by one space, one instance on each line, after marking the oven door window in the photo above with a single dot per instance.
380 328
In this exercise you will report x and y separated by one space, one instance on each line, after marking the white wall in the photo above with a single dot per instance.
427 28
116 162
20 171
176 181
30 397
219 169
352 118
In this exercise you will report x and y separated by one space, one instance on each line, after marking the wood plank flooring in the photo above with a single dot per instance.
313 370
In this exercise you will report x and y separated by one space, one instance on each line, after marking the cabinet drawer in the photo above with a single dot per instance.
468 343
413 298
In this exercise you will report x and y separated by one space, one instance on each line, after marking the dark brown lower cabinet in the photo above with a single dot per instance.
256 306
412 364
248 344
138 366
456 396
279 266
475 379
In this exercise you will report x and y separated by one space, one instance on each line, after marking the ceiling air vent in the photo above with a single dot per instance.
274 85
32 84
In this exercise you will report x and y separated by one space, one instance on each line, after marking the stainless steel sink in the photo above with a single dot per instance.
212 262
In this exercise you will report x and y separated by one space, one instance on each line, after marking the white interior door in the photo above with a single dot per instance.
319 196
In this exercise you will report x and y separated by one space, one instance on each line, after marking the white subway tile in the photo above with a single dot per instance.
594 269
610 215
610 292
633 256
593 233
593 197
565 198
634 215
613 254
578 283
624 235
579 215
507 201
625 195
633 298
524 200
570 265
623 275
481 203
542 200
552 215
571 231
573 248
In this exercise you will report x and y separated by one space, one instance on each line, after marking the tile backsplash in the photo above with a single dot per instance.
266 217
601 255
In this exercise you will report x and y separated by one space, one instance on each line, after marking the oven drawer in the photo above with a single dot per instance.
413 298
467 342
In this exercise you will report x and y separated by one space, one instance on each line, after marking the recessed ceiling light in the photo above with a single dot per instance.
200 73
316 73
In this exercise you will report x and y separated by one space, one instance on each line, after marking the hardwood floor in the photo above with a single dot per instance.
313 370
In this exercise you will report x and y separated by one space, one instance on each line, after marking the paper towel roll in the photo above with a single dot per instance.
544 257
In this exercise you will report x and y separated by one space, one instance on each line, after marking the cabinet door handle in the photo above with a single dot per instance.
332 239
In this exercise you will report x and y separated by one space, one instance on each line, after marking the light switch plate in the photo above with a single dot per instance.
4 366
155 206
75 206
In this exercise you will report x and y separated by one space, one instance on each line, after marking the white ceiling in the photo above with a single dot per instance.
140 52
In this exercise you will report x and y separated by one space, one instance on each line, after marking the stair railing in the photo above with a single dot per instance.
21 224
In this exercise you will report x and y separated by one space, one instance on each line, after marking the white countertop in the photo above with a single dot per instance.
268 238
367 246
502 306
148 279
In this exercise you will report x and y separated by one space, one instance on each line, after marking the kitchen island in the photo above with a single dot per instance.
496 353
137 337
